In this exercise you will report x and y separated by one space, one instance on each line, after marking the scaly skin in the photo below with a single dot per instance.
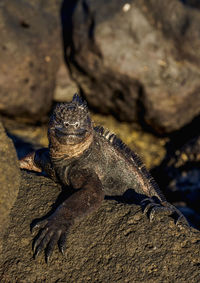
93 162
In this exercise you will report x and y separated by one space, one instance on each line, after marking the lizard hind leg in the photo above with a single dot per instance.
156 210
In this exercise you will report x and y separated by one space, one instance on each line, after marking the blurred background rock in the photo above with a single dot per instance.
137 63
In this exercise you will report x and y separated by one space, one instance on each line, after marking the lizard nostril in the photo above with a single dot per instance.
76 124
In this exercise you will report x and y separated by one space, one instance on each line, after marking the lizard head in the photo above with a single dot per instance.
70 123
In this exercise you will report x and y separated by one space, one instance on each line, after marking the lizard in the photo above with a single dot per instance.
93 162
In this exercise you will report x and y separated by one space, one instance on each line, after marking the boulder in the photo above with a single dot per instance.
117 243
179 176
9 179
192 3
65 87
138 60
30 54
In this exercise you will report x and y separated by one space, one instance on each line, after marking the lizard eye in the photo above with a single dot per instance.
66 124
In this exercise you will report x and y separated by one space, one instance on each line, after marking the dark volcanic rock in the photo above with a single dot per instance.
9 179
192 3
179 174
115 244
29 54
138 58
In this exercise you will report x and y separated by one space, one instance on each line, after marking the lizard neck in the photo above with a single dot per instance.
69 152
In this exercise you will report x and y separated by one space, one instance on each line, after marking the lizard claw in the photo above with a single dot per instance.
180 219
51 232
62 243
154 210
50 247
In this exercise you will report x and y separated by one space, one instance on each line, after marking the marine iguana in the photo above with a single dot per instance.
95 163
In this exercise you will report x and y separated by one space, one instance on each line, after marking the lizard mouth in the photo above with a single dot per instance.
61 133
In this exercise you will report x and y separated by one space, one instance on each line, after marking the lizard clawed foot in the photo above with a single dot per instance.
179 217
159 210
154 210
28 163
51 231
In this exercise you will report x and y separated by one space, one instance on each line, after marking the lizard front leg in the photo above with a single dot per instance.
38 161
86 199
28 163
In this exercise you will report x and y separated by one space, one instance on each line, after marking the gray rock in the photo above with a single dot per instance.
30 53
9 179
115 244
138 59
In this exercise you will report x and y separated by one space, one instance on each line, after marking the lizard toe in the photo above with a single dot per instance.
182 222
62 242
149 207
53 230
51 244
153 209
40 236
159 212
41 242
39 224
179 218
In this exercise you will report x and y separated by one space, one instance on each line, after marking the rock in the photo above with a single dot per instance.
65 86
138 60
179 175
117 243
192 3
30 53
9 179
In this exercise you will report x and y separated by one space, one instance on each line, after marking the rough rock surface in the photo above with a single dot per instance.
138 59
29 54
115 244
9 179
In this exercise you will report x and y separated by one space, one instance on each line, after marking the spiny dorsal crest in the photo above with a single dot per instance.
120 146
115 141
79 102
77 105
76 102
105 133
